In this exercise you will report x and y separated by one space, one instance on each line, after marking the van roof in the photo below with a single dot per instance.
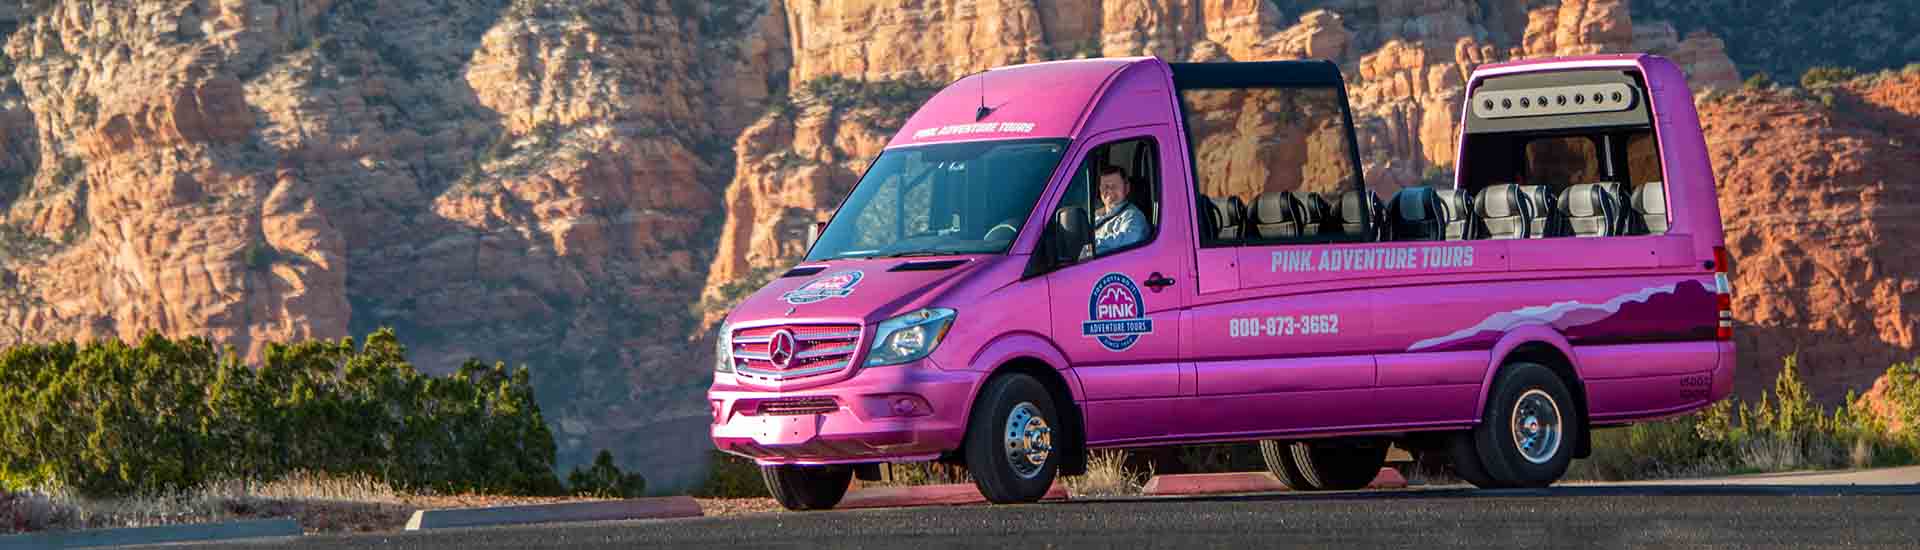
1025 101
1565 63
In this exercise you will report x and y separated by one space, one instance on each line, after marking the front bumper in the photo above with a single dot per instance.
867 422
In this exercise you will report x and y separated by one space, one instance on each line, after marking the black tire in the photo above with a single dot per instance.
1494 440
1324 466
987 455
1466 462
1279 458
801 488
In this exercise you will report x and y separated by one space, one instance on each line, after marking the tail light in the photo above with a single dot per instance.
1723 293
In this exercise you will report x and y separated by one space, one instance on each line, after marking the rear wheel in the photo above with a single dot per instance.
1009 447
807 487
1526 435
1324 465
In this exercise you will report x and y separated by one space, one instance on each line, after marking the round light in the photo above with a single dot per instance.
1562 100
1616 96
903 406
1506 104
1597 98
1579 99
1543 101
1488 104
1523 103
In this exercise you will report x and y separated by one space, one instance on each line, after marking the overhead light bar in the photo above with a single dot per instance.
1558 100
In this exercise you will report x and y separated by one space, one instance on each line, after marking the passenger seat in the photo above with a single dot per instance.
1503 212
1592 210
1230 216
1354 217
1313 211
1456 214
1546 215
1650 208
1276 215
1415 214
1622 223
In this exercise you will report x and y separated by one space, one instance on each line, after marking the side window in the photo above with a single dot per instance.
1275 165
1117 185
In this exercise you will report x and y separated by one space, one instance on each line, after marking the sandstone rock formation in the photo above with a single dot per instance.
1820 212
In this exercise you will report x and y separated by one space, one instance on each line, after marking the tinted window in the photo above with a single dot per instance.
1290 146
954 198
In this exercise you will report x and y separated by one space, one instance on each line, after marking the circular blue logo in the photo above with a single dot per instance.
1116 314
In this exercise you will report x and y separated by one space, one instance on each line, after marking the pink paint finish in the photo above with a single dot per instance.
1248 342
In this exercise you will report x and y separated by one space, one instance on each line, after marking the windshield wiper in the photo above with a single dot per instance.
915 253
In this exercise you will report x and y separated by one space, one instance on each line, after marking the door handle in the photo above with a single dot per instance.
1157 282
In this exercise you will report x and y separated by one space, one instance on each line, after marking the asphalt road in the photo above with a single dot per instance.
1654 516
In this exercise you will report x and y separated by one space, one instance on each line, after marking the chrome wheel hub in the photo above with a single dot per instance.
1029 440
1536 426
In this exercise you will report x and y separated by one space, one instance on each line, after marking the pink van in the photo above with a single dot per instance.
1076 255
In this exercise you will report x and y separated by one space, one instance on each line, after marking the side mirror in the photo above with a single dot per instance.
1072 231
813 233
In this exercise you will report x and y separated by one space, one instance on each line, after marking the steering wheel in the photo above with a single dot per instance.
1011 231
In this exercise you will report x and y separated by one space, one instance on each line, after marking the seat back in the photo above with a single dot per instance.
1229 218
1502 211
1622 223
1592 210
1313 211
1456 214
1359 213
1415 214
1650 208
1546 214
1276 215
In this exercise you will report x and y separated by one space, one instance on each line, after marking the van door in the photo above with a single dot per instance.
1116 303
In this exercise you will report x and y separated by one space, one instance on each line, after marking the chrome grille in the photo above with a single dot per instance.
817 350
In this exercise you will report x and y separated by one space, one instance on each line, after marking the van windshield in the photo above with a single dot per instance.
950 198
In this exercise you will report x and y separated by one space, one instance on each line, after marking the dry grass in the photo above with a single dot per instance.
1107 476
322 504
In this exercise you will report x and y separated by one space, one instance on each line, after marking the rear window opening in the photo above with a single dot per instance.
1569 154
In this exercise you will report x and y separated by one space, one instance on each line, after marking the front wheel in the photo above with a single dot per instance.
807 487
1009 447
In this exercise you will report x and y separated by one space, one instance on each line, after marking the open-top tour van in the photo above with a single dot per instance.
1065 256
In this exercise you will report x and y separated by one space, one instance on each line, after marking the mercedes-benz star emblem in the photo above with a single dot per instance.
780 349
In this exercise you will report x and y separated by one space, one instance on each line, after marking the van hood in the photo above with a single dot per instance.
867 291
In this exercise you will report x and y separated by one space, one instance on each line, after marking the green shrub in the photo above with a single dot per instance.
1759 80
604 480
730 476
108 419
1816 77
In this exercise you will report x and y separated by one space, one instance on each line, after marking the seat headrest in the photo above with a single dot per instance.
1650 198
1585 200
1415 204
1275 207
1499 201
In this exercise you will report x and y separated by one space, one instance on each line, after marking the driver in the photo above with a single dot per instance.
1119 223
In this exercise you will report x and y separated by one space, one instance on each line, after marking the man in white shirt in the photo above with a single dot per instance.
1119 223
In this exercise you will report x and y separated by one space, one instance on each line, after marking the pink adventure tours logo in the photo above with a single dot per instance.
1117 317
836 285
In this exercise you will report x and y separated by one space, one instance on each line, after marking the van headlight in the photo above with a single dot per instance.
723 350
909 337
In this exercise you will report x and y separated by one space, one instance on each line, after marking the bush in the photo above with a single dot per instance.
604 480
1816 77
730 476
108 419
1785 430
1758 81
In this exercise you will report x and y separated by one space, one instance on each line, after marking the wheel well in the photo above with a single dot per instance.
1075 460
1549 356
